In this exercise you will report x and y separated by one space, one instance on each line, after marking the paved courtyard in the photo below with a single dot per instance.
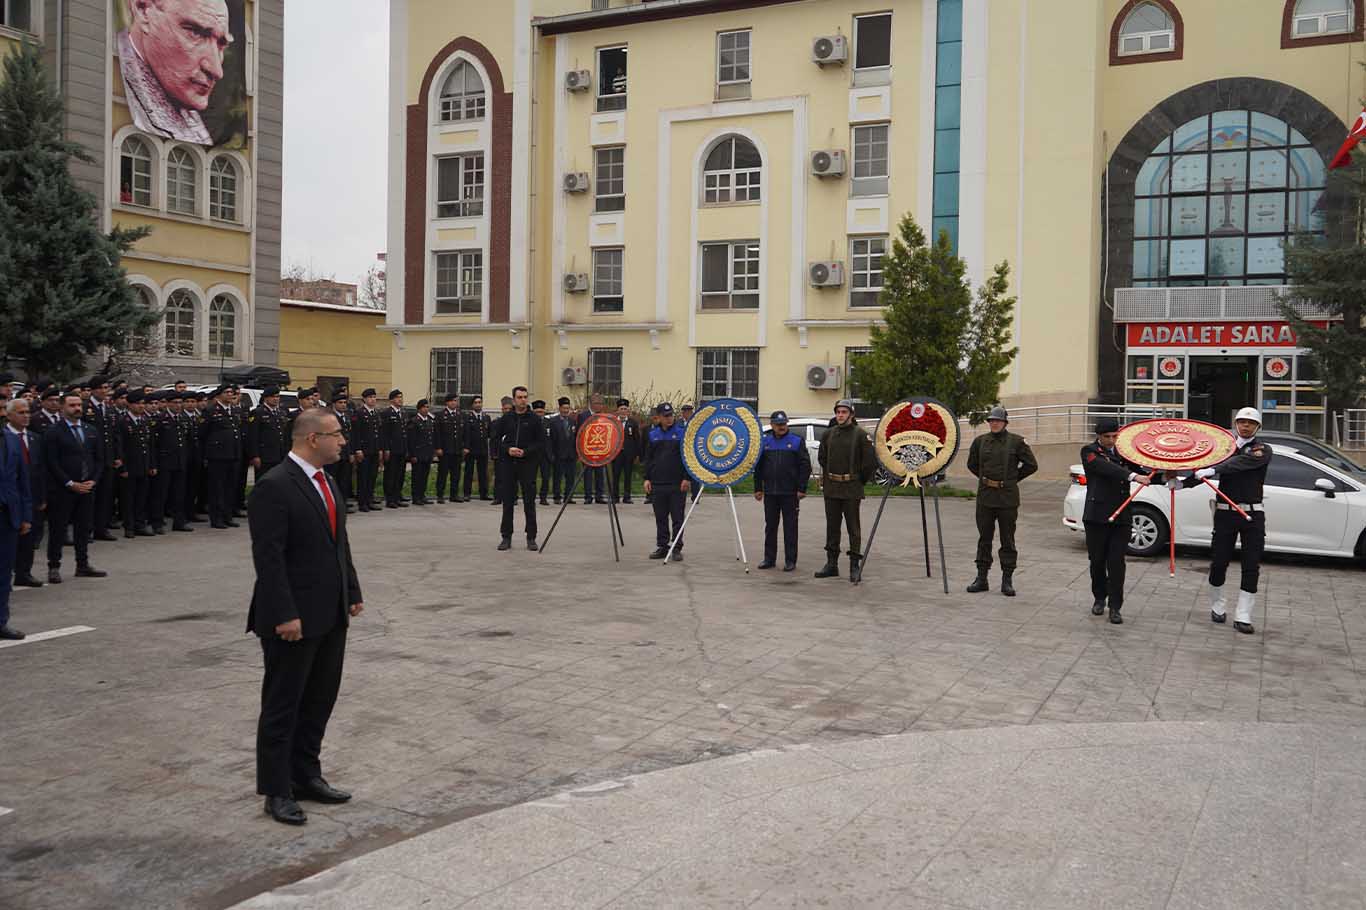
477 681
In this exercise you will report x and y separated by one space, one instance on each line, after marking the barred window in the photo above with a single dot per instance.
607 275
460 283
604 372
865 269
460 186
458 371
728 373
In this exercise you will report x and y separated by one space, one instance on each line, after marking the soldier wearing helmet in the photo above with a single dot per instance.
999 460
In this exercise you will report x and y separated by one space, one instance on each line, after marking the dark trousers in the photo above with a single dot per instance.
9 543
1106 545
1229 527
222 475
297 696
448 469
623 474
365 479
65 508
668 504
28 545
594 485
518 474
393 477
564 477
102 504
422 470
136 491
192 472
546 470
168 497
479 464
199 489
239 486
846 511
988 518
781 507
341 473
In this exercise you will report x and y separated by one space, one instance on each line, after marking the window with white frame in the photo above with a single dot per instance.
135 172
182 178
458 371
179 321
607 273
870 161
873 41
604 372
17 14
728 373
730 275
732 64
865 270
223 327
852 356
460 283
223 189
460 186
1148 29
462 95
733 172
609 184
1322 17
612 78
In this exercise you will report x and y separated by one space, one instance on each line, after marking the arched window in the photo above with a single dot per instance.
732 172
180 324
222 327
1322 17
1148 29
182 178
1217 200
462 94
135 172
141 341
223 189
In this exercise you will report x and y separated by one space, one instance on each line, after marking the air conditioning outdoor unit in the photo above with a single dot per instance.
576 183
576 282
829 163
578 80
820 376
827 274
830 49
574 376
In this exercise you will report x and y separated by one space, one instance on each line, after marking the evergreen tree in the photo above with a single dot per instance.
940 341
63 292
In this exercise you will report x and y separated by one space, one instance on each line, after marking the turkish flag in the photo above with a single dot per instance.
1344 155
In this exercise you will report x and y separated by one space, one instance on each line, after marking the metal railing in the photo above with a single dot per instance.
1059 423
1232 304
1349 428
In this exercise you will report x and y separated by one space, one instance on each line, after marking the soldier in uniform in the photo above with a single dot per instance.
999 460
1108 476
780 478
666 481
105 421
341 469
624 465
365 443
393 443
561 428
196 475
1240 479
450 439
268 442
139 466
241 406
847 463
48 413
170 436
423 449
478 428
220 442
545 467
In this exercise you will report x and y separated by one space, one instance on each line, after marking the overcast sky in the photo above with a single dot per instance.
335 150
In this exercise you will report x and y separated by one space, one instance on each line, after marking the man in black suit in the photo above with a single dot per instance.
104 419
624 465
306 591
73 454
267 440
220 441
170 437
478 429
31 445
393 443
562 445
1108 475
423 448
365 444
450 439
139 466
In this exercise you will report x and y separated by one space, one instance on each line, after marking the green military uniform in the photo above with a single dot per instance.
847 462
999 461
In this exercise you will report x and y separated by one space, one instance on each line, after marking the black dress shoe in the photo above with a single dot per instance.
602 502
505 544
365 508
441 500
232 524
531 544
660 553
320 791
402 505
1220 618
27 581
285 810
159 530
678 554
544 501
186 528
627 500
767 564
239 513
54 576
218 526
1115 618
1244 627
789 567
129 533
104 535
89 571
9 633
1098 608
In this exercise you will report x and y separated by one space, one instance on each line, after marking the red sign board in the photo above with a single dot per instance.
1212 335
599 440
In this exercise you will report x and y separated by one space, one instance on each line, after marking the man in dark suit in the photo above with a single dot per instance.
16 507
624 465
393 443
73 454
31 445
170 437
423 449
267 439
1108 476
220 441
341 468
104 419
562 445
139 466
450 439
306 591
478 428
365 444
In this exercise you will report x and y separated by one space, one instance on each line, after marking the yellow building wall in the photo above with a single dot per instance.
9 43
317 343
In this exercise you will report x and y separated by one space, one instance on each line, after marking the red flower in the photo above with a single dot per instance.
930 423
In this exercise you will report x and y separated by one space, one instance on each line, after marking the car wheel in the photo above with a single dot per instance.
1148 535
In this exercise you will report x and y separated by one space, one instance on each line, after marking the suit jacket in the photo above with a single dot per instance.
302 571
66 459
16 491
105 419
220 435
562 437
478 430
450 431
365 432
632 445
37 471
138 442
393 431
1107 482
422 438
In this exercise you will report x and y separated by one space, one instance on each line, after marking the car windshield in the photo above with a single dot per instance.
1322 453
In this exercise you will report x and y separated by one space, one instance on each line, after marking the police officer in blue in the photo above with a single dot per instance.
666 480
780 478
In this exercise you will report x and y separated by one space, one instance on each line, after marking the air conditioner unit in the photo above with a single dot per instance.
574 376
820 376
576 183
829 49
829 163
576 282
826 274
578 80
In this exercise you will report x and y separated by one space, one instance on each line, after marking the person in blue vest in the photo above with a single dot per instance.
666 481
780 478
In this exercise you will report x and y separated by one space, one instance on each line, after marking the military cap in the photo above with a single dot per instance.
50 392
623 402
339 396
394 393
687 407
450 396
562 400
1106 425
136 396
367 393
121 392
422 402
665 409
538 403
173 395
269 391
778 417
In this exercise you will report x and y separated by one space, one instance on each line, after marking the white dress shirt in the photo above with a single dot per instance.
311 470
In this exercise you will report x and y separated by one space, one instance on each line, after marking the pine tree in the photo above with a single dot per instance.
940 341
63 292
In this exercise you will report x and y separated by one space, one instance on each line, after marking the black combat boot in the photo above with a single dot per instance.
1007 588
979 584
1098 608
855 569
831 569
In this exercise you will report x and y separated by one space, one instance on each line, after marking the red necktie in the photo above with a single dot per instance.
321 478
23 441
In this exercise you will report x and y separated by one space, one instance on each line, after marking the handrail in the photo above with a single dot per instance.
1043 424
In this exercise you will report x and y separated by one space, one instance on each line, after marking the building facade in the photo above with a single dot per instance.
330 345
692 198
205 177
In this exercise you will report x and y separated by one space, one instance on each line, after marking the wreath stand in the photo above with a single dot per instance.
856 576
740 555
613 519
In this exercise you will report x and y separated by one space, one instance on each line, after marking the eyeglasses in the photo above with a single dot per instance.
337 433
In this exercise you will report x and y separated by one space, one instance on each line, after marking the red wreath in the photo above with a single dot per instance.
930 423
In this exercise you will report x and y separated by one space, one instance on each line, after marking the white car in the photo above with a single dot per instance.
1310 508
812 429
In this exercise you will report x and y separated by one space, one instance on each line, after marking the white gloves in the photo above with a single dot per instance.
1204 472
1173 483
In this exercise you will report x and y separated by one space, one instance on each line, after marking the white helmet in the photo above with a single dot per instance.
1249 414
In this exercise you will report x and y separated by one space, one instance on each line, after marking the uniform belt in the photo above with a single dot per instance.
1245 506
993 484
839 476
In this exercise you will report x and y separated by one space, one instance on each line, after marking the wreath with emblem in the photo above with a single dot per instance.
916 439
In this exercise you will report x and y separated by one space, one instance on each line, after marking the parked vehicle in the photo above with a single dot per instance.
1316 449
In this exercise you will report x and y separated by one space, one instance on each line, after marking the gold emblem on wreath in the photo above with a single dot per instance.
915 439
